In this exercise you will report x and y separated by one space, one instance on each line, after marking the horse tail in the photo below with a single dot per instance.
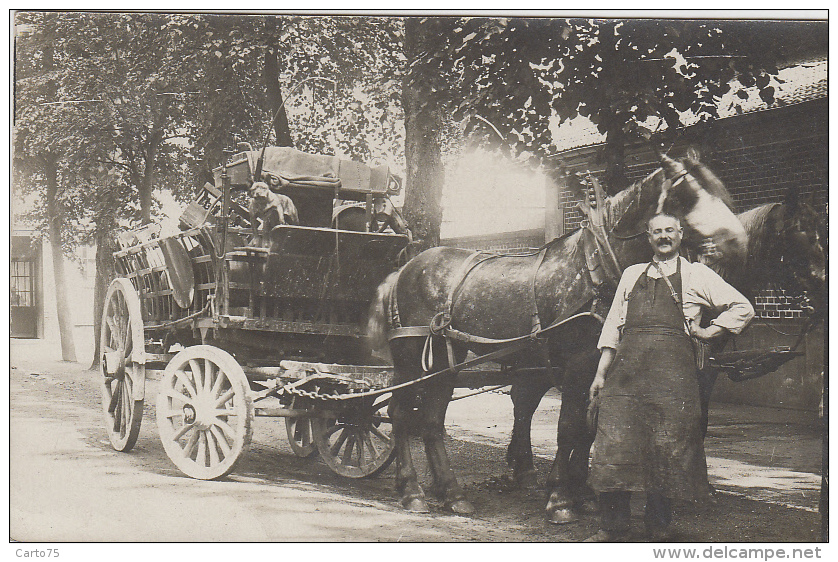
378 317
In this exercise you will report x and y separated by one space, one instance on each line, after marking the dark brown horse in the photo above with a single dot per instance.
500 297
784 250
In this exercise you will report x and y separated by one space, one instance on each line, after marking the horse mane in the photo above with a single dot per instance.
617 205
709 180
760 267
760 235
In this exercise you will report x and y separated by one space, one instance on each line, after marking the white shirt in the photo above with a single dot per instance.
701 288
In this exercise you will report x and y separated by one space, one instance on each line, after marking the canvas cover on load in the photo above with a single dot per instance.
302 169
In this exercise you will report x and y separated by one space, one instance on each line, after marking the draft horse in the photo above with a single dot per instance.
784 250
446 302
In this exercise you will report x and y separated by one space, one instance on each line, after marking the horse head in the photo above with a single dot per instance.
687 189
694 193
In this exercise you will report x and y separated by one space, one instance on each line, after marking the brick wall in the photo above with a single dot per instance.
759 157
505 242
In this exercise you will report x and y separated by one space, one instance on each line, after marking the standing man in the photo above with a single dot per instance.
648 436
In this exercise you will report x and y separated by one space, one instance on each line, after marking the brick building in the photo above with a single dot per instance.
759 153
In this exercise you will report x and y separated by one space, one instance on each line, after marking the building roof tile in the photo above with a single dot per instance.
800 83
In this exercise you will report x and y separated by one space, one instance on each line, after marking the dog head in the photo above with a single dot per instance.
260 191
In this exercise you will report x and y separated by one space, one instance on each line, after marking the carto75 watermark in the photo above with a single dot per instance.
36 553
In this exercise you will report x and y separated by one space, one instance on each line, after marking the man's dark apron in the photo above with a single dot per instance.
648 433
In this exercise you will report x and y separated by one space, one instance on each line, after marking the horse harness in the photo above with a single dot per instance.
602 267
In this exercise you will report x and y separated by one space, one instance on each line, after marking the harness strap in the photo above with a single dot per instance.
452 333
466 268
536 321
675 295
595 243
442 320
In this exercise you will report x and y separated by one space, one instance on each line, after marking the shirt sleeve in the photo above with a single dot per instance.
709 290
616 318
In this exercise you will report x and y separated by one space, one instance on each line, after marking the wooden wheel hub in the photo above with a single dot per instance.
202 414
113 362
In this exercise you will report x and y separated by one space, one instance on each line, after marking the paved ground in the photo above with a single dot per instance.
67 484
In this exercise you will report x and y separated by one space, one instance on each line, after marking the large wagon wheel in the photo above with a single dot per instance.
122 363
204 412
356 442
299 431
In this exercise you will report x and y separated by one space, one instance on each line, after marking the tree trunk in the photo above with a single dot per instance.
274 92
147 182
425 173
615 161
65 321
105 273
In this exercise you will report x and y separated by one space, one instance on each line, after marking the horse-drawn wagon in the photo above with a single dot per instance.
234 329
243 325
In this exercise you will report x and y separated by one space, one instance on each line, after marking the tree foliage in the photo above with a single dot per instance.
624 75
355 110
113 106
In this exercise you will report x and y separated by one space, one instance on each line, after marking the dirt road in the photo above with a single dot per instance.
67 484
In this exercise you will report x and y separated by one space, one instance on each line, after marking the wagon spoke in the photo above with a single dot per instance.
172 393
126 338
335 449
359 439
117 419
169 414
212 447
302 433
115 395
221 413
197 376
216 385
208 373
190 444
225 428
370 445
113 332
380 434
224 398
201 457
222 441
126 401
182 431
187 384
347 452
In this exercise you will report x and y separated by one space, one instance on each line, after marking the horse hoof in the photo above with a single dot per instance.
415 504
561 516
460 507
527 480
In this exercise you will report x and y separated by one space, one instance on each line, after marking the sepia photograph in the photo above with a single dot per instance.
419 276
